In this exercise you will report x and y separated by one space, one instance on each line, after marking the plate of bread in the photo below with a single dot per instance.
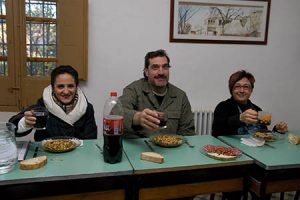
265 135
60 144
167 140
221 152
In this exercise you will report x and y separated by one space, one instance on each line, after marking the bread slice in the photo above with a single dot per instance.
33 163
152 156
293 139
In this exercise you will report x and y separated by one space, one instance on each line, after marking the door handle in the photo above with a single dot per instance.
12 89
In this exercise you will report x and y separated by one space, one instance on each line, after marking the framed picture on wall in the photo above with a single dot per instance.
220 21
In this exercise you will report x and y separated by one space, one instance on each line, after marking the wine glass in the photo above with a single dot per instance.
41 114
163 117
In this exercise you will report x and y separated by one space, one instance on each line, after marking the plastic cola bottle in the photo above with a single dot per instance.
113 121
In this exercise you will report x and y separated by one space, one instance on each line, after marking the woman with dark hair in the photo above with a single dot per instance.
238 115
70 114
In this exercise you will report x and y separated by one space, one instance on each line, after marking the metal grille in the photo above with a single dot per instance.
203 121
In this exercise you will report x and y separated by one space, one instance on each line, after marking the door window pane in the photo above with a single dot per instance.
3 40
44 9
3 7
41 37
3 68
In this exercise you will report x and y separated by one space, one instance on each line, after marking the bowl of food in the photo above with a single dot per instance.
58 145
167 140
221 152
264 134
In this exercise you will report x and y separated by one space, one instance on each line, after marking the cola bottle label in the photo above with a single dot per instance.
112 132
113 125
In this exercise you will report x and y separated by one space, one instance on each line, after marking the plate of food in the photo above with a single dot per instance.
60 144
221 152
265 135
167 140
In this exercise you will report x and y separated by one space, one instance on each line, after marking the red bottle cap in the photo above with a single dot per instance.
113 94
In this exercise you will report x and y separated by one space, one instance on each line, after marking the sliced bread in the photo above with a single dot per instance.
293 139
33 163
152 156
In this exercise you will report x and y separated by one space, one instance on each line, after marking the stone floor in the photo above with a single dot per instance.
275 196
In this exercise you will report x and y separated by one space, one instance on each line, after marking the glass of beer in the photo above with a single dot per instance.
163 118
264 118
41 114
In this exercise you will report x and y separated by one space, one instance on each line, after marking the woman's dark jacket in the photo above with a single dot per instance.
84 128
227 117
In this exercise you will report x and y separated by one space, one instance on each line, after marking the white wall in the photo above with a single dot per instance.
4 116
121 32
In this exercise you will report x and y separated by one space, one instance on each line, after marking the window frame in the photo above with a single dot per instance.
72 17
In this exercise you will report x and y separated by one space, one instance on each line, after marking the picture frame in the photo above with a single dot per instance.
220 21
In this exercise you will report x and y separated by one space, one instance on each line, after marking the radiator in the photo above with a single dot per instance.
203 121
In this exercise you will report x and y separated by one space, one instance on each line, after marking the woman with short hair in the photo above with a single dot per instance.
238 115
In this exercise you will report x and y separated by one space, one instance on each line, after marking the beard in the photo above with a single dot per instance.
160 81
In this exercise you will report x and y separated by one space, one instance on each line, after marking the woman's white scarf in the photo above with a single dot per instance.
78 111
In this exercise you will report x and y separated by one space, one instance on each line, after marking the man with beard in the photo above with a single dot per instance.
144 100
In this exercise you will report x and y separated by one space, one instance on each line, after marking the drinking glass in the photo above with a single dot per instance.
264 118
163 117
8 147
41 114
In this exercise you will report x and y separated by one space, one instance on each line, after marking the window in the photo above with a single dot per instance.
3 41
41 42
35 37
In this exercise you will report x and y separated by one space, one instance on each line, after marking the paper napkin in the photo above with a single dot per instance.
252 142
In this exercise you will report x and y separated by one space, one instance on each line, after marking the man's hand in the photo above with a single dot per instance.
29 119
281 127
147 119
249 116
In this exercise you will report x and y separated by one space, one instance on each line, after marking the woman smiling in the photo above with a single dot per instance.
70 114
